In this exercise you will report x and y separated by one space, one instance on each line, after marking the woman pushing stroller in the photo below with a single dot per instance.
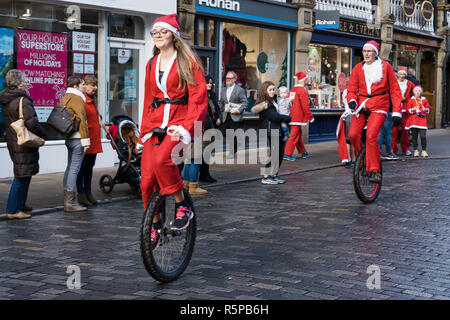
175 98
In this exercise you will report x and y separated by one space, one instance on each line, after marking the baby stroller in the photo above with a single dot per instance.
123 134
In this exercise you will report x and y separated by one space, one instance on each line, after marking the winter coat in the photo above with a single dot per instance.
417 119
269 117
213 113
26 160
93 126
300 111
74 102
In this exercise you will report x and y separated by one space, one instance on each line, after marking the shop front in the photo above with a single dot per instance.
247 38
332 55
52 41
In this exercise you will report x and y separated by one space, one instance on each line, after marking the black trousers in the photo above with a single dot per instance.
84 178
230 124
415 132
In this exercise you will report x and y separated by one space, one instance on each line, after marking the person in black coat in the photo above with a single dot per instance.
271 120
26 160
212 120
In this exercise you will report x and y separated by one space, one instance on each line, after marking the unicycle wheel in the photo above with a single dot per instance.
366 191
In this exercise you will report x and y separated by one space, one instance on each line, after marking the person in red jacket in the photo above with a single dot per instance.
406 88
175 98
300 114
84 178
372 82
418 108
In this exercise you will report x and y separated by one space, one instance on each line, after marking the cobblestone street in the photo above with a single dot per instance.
310 238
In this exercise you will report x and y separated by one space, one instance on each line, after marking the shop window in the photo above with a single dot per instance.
62 52
6 7
406 56
203 32
125 26
329 68
255 55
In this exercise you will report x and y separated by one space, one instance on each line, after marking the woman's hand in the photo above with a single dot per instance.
218 122
86 148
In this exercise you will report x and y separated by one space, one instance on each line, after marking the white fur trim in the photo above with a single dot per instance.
146 137
397 114
373 73
139 146
76 92
402 71
298 123
372 46
300 80
381 111
311 121
403 86
185 136
167 26
163 86
417 127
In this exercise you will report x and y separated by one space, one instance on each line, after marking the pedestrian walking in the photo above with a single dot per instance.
345 149
371 86
233 103
175 98
84 178
406 87
213 119
412 76
25 159
301 115
77 144
271 120
284 106
418 108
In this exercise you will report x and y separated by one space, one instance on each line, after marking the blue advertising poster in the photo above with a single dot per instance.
130 85
6 62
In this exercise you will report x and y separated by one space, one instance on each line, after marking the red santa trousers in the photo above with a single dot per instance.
158 168
295 140
404 139
376 121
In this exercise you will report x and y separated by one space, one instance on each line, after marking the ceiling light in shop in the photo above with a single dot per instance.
346 50
27 13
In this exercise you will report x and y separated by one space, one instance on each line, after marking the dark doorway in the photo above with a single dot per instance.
428 83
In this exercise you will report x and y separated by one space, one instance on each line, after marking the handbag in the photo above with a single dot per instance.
25 137
63 121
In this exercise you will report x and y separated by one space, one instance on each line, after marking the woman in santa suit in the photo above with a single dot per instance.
175 98
371 83
406 87
418 108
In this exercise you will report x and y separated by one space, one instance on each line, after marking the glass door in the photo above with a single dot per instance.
124 94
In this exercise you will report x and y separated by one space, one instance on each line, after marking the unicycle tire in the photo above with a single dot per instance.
366 191
169 260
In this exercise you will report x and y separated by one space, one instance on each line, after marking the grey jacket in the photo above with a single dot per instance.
238 97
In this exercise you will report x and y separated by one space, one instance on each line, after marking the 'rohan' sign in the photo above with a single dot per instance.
221 4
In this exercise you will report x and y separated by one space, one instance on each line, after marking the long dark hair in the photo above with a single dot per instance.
263 95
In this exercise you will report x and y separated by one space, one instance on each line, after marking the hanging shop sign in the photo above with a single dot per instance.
42 56
409 7
427 11
327 20
359 28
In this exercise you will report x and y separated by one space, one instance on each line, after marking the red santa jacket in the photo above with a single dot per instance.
372 85
300 112
417 118
171 116
406 88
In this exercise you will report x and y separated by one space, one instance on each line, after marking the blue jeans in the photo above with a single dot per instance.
386 134
191 172
74 159
18 195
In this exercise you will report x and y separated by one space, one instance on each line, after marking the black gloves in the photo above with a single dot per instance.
352 105
396 121
365 112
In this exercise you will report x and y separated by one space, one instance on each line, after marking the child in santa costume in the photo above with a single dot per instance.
371 83
406 87
175 97
345 150
418 108
300 114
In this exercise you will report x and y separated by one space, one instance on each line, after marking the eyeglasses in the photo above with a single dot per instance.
228 78
160 33
367 51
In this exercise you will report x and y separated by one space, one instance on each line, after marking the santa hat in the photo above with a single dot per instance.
301 76
373 45
402 70
421 90
170 22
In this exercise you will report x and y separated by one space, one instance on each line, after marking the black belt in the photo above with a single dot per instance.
373 95
182 101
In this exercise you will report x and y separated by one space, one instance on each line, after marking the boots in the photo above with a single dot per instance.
91 198
83 200
195 189
71 203
204 173
186 185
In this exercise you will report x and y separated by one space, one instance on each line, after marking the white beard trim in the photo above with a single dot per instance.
373 73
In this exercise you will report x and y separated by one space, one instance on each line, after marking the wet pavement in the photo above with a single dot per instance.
310 238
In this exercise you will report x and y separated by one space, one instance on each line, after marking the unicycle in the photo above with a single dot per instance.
170 258
366 191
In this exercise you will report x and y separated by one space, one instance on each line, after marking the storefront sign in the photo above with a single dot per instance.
427 10
83 41
327 20
409 7
221 4
42 56
359 28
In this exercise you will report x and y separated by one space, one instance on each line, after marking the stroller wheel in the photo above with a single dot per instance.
106 183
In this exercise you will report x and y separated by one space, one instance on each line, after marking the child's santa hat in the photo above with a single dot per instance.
170 22
402 70
373 45
418 87
301 76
